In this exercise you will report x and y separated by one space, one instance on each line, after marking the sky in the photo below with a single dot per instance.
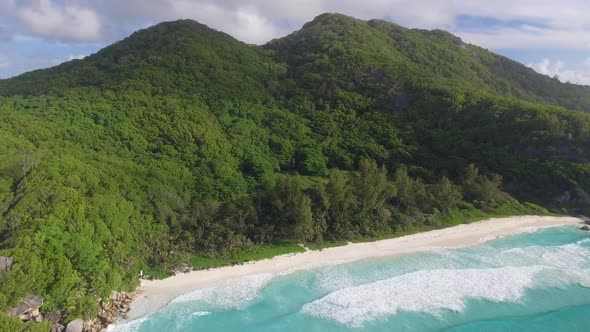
551 36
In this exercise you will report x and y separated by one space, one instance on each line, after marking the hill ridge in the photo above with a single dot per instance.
433 55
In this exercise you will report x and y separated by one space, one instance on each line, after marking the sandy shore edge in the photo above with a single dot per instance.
155 294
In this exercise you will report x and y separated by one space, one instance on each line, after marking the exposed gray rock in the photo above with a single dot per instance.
28 308
585 228
115 307
182 268
116 296
5 263
77 325
57 328
585 219
89 325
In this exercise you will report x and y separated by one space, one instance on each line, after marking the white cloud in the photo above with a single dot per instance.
579 74
4 63
527 38
261 20
423 13
570 14
246 24
76 57
69 23
257 21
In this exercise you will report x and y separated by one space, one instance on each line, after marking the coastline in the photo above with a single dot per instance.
155 294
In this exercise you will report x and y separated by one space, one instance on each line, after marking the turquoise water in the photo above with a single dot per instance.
530 282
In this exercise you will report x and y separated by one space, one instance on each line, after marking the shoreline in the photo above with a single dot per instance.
153 295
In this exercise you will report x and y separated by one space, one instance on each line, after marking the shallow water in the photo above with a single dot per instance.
528 282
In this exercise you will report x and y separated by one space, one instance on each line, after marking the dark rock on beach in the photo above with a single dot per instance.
77 325
57 328
113 308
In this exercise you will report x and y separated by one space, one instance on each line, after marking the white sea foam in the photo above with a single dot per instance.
422 291
489 238
201 313
333 278
130 326
234 294
499 275
565 264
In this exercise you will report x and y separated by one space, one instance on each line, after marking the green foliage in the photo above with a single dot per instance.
340 205
445 194
478 187
180 143
311 162
411 193
371 186
15 325
291 209
253 253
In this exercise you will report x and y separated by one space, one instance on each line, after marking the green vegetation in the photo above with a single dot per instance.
249 254
181 144
15 325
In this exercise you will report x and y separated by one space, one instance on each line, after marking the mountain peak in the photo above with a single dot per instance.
182 25
184 54
333 17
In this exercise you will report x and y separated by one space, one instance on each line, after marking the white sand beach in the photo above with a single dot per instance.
157 293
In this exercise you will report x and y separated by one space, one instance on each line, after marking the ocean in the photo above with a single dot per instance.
537 281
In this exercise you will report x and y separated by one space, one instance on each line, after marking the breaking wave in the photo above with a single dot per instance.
235 294
129 326
503 276
422 291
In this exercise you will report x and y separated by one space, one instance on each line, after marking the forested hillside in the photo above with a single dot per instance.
180 143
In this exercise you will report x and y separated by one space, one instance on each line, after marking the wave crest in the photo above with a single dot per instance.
499 275
128 326
234 294
422 291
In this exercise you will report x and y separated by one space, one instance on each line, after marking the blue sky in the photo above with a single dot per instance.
553 37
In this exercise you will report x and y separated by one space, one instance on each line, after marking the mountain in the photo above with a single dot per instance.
412 56
417 57
181 144
182 55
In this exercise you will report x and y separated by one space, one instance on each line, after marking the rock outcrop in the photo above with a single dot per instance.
182 268
115 307
57 328
54 317
77 325
118 307
93 325
28 309
5 263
